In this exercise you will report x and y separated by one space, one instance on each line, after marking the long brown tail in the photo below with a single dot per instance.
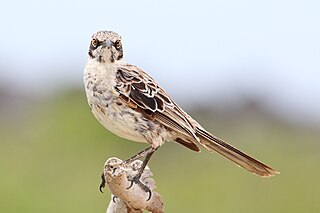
213 143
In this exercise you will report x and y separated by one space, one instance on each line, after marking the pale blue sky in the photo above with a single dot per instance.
200 50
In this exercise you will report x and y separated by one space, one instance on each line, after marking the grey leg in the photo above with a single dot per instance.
141 154
136 179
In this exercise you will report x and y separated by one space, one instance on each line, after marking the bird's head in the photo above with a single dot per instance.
106 47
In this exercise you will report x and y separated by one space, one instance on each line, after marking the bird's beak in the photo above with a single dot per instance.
107 43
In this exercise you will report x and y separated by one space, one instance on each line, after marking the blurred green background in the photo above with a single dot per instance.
248 71
53 151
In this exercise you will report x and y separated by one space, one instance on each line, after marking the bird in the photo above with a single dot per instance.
130 103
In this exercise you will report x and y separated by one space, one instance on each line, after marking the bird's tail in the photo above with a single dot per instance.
213 143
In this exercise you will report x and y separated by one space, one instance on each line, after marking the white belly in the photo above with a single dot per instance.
112 113
119 121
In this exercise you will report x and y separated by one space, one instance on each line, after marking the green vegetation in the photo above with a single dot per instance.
52 160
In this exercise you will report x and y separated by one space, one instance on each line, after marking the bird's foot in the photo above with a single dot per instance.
136 180
103 183
114 198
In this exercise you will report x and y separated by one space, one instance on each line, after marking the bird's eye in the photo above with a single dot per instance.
94 42
117 44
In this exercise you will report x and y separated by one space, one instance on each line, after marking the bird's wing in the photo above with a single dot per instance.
142 92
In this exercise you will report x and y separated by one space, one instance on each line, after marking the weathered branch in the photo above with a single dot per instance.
133 199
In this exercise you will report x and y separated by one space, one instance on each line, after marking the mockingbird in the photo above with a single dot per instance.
130 103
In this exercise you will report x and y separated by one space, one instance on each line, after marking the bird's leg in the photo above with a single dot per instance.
140 154
146 152
136 179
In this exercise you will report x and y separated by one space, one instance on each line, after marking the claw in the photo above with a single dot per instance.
146 189
131 184
136 179
150 194
103 183
114 199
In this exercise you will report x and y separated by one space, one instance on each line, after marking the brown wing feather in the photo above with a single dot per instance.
188 144
142 93
139 88
213 143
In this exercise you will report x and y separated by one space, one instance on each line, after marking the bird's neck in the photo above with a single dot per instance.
95 67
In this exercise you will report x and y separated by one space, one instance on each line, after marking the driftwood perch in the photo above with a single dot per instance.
133 199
